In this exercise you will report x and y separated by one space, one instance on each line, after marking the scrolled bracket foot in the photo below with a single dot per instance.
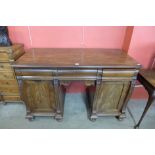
59 118
30 117
121 117
93 117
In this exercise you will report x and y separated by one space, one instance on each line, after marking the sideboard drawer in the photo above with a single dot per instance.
118 73
78 74
35 72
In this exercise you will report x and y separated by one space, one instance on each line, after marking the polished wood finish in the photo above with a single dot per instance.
118 73
110 73
40 98
44 93
76 57
8 84
147 79
109 98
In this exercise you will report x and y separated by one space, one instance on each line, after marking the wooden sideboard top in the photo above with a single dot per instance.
75 57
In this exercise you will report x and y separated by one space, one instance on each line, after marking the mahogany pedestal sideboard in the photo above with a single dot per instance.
9 91
109 75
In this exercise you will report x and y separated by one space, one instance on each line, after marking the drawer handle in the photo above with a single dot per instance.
76 64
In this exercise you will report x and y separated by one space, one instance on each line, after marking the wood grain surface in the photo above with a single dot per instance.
72 57
111 96
8 83
39 96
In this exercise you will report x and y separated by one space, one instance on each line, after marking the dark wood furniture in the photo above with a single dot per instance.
147 79
109 75
9 91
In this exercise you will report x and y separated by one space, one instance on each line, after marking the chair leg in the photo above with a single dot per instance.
148 104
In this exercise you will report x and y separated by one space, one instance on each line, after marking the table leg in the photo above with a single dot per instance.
149 102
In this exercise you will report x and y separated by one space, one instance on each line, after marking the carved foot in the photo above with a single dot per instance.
121 117
59 118
30 117
93 118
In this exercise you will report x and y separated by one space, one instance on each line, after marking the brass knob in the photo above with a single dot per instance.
76 64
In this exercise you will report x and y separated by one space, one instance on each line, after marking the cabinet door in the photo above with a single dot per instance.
110 97
39 96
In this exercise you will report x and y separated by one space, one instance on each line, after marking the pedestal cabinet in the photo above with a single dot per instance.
9 91
43 98
111 93
41 92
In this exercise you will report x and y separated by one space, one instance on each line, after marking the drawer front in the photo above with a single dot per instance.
11 98
35 72
5 66
60 74
4 57
78 74
7 75
118 74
